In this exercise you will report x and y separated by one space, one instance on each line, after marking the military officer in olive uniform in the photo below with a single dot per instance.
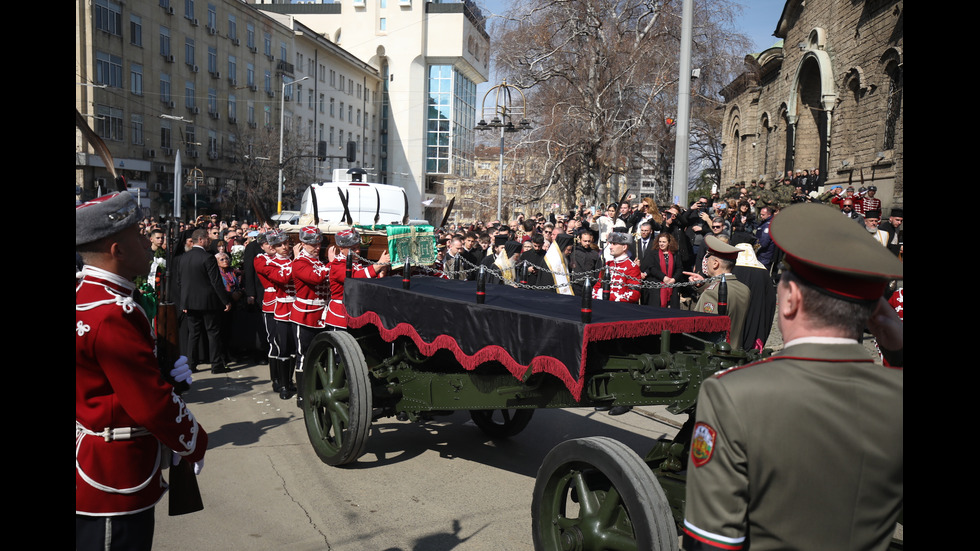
804 450
720 260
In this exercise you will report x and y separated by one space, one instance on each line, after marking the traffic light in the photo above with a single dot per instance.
321 151
351 151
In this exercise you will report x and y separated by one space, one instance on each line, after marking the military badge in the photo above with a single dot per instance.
708 308
703 444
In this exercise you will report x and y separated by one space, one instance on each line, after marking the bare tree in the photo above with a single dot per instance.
601 78
256 151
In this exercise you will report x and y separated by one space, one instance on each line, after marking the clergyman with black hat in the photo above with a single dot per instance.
124 410
719 259
804 450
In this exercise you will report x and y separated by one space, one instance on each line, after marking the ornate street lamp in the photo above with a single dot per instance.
502 115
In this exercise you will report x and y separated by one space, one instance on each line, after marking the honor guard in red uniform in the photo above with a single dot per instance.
312 280
623 272
268 304
805 449
336 313
125 413
278 270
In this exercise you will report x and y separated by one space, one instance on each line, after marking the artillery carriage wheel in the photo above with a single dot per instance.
501 423
595 493
337 392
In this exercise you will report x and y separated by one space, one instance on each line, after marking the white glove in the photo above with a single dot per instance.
181 371
198 465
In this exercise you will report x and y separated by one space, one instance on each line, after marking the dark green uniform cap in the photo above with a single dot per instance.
828 250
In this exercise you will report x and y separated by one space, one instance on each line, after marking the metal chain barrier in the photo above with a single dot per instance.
573 277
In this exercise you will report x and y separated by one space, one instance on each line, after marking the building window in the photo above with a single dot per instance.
282 51
108 70
190 138
108 17
137 125
212 60
136 79
232 108
322 101
358 118
232 70
383 24
268 115
268 82
164 41
109 123
250 35
893 106
310 102
251 113
350 87
189 9
358 91
232 27
135 31
165 88
212 17
166 141
332 114
250 75
342 80
450 120
212 144
189 51
212 101
333 78
331 137
341 111
350 113
323 73
268 44
189 101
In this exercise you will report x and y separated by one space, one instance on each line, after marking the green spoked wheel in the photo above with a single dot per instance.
337 398
595 494
501 423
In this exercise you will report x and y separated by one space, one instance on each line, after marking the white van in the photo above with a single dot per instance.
366 201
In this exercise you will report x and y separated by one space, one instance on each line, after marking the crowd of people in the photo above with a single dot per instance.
631 251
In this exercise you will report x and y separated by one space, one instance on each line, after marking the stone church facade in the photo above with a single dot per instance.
828 97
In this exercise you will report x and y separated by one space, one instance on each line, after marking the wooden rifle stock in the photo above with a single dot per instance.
185 494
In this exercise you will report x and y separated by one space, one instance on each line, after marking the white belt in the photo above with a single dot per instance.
314 302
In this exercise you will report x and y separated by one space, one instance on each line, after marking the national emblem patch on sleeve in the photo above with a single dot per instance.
708 308
703 444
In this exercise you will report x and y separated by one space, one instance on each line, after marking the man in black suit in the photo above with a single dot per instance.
202 298
643 243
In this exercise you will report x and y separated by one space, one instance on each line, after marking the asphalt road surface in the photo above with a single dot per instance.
437 486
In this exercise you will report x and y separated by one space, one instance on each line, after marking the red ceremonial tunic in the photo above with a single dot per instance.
312 280
268 290
278 270
118 386
618 290
336 313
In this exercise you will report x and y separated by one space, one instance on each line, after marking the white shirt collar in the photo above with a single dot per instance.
820 340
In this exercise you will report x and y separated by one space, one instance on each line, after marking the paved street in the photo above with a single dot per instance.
432 487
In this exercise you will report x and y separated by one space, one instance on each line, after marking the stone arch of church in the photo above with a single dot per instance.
734 139
809 111
891 69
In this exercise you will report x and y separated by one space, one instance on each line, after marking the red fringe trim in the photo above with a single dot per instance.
594 332
546 364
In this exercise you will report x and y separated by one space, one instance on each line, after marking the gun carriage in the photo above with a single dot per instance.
432 349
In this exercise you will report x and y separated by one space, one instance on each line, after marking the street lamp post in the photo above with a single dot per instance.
282 123
502 115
